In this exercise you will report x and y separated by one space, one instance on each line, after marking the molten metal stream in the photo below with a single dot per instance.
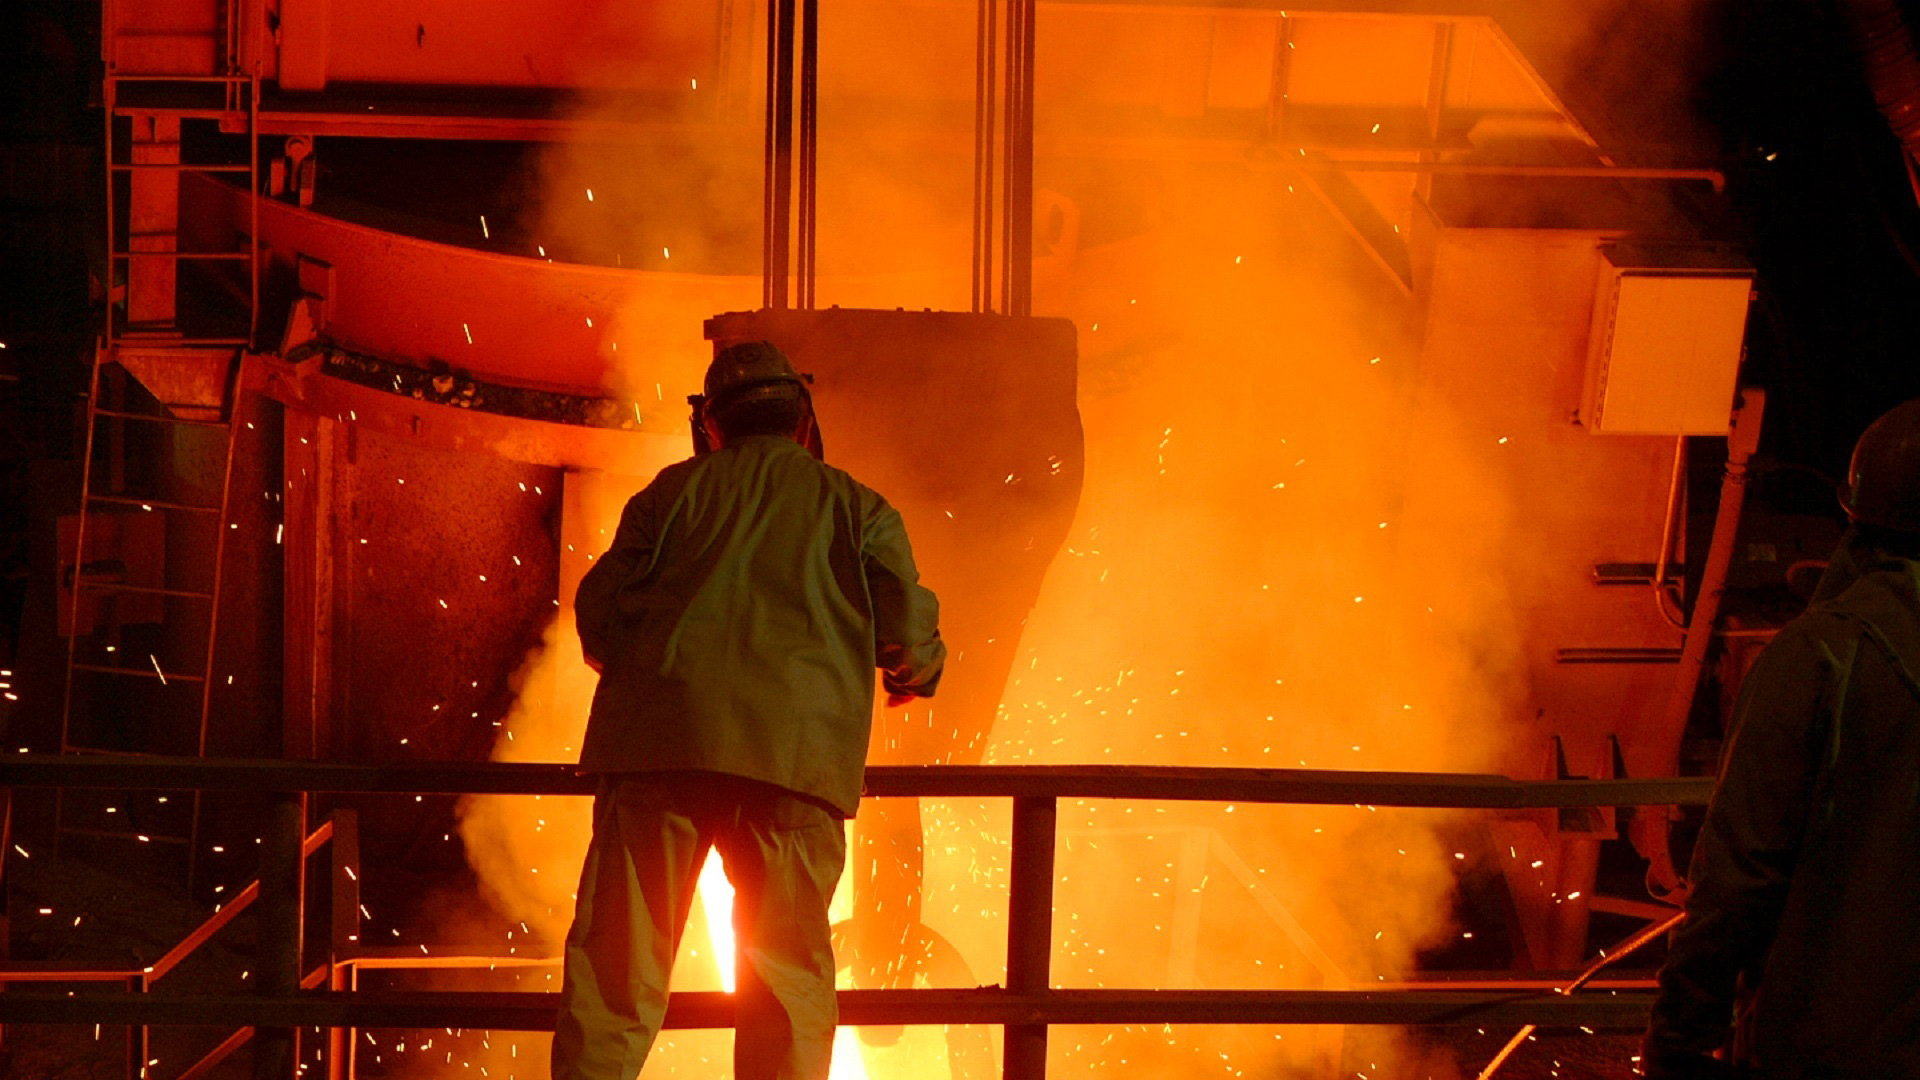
716 902
1628 946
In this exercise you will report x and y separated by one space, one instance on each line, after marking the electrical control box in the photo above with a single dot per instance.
1669 326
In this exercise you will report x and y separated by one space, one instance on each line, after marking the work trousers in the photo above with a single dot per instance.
651 834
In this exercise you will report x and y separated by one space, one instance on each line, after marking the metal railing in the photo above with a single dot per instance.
141 980
1026 1006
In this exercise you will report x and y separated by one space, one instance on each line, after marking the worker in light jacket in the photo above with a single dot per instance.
737 621
1805 903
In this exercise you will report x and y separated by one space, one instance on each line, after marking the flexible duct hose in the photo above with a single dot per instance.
1892 67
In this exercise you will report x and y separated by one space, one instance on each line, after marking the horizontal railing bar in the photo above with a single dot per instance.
1144 782
417 962
15 971
512 1011
394 959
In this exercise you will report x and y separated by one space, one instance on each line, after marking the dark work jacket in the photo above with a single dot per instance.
739 616
1806 876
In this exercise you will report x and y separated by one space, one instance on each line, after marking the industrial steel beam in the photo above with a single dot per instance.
1146 782
511 1011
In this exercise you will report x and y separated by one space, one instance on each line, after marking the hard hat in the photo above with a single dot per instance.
1883 482
751 371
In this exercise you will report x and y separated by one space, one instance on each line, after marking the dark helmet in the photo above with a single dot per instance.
751 371
1883 482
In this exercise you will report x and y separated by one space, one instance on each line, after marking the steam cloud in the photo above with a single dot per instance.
1251 580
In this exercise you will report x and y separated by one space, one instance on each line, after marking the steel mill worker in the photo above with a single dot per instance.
1804 915
736 622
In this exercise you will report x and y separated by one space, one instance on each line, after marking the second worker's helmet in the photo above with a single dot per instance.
751 371
1883 481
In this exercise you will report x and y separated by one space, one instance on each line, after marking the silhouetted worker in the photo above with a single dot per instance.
1805 909
737 620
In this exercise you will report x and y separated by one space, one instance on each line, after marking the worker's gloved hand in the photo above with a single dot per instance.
1686 1067
895 701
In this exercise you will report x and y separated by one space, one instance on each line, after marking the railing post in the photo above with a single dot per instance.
282 904
345 935
1030 929
136 1036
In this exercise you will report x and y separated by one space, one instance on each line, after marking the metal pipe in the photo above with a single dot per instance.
766 176
253 181
1666 535
1631 945
1030 929
1743 440
1892 68
1020 170
986 147
1650 831
781 196
1462 168
1011 121
982 181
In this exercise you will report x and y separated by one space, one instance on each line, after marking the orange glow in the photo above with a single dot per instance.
1295 546
715 895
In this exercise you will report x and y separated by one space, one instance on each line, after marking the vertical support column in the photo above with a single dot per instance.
1436 102
308 580
6 847
153 222
282 901
809 148
1030 929
1282 82
345 922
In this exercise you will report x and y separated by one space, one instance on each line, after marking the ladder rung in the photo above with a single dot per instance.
95 584
180 166
110 834
186 113
139 673
119 415
196 255
142 337
116 77
153 504
70 748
